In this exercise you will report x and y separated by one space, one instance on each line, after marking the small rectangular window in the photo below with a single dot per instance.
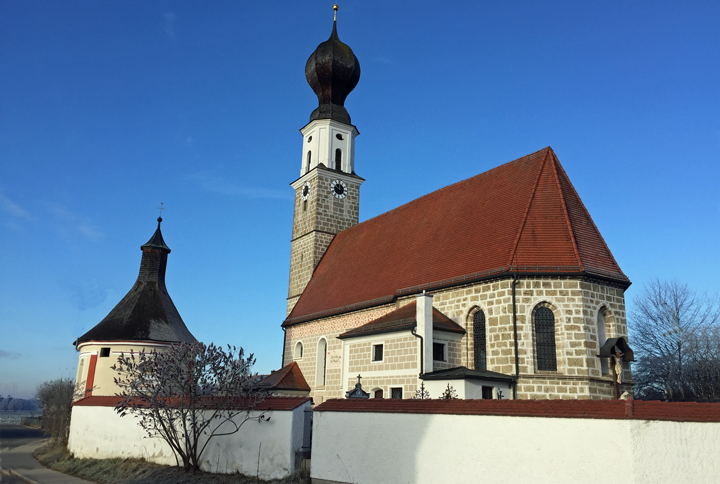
396 392
377 352
487 393
104 352
438 352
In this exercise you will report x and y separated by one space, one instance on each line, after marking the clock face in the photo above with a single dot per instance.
339 189
306 191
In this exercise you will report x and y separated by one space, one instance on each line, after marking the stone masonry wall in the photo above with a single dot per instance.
309 335
315 223
305 255
400 355
574 302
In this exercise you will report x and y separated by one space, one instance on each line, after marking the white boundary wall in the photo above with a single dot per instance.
354 447
100 433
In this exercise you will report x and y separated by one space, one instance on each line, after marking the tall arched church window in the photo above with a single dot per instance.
321 363
545 340
479 340
309 157
338 159
602 336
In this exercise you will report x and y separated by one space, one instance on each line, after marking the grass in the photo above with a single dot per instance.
139 471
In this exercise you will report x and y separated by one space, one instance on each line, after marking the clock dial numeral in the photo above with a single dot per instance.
339 189
306 191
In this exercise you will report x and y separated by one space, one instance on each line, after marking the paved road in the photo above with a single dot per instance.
7 479
12 436
17 443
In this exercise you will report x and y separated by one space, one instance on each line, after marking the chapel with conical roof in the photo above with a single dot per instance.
499 285
145 319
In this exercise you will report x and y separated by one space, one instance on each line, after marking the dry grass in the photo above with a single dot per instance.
138 471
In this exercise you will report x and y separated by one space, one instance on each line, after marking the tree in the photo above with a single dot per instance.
56 398
188 395
676 336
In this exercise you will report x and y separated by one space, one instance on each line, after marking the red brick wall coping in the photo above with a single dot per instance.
269 403
599 409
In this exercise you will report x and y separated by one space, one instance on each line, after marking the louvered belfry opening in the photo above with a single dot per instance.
545 340
479 341
338 159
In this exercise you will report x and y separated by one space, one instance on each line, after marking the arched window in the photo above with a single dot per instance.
338 159
321 363
602 336
545 340
309 157
479 340
298 350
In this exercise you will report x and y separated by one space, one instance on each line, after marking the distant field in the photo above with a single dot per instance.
14 417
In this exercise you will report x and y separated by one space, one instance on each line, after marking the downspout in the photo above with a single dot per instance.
284 341
515 334
414 333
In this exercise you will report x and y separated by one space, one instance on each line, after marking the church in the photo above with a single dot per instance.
499 286
496 287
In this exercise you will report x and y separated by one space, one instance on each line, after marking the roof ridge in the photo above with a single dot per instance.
527 209
444 188
556 162
597 231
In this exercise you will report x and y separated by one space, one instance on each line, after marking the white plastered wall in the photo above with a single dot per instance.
100 433
430 448
468 389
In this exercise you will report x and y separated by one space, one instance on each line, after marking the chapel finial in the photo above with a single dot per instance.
335 8
159 219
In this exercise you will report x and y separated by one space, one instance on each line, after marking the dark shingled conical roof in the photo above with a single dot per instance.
157 239
332 71
146 313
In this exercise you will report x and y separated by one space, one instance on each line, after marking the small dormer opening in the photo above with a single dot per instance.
104 352
338 159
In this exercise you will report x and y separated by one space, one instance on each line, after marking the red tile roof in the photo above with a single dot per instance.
523 216
603 409
289 377
269 403
402 319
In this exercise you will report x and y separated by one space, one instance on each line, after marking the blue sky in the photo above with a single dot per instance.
109 108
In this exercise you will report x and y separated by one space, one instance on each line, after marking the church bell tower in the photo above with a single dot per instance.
327 194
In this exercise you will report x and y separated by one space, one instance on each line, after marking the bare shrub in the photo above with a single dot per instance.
56 398
188 395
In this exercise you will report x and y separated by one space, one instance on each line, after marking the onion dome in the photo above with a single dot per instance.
146 313
332 71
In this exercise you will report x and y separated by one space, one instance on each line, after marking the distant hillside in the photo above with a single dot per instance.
10 404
